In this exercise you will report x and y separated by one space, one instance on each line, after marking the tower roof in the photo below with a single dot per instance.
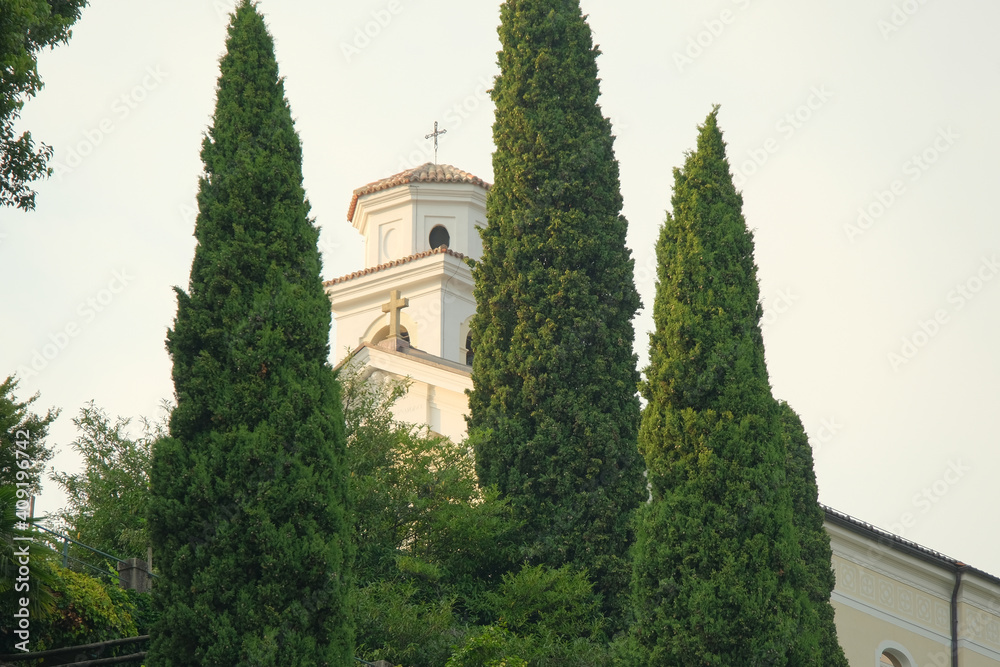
443 250
425 173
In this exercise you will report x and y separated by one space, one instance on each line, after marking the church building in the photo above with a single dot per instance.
407 314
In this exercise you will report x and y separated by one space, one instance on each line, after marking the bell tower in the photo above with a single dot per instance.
407 312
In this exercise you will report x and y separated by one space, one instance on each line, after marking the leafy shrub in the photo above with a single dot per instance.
393 625
87 611
543 601
497 646
492 646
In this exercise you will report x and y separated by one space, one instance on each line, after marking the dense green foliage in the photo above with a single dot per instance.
554 411
430 543
108 500
397 623
496 646
88 610
814 541
538 600
250 515
718 577
418 509
538 616
19 425
65 608
435 566
84 610
26 27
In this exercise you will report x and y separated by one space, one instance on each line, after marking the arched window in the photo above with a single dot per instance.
468 349
889 660
891 654
439 237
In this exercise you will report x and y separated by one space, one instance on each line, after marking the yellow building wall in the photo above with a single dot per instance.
862 634
886 599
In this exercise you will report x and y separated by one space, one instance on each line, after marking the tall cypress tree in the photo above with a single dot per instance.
719 577
814 541
249 514
554 411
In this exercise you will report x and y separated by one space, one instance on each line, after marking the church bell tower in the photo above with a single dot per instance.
407 313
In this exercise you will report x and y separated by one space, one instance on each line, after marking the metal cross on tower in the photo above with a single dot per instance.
436 134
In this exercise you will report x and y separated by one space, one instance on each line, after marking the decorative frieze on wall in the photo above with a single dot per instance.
920 607
979 626
891 596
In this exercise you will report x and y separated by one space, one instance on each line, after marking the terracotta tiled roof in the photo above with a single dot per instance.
443 250
425 173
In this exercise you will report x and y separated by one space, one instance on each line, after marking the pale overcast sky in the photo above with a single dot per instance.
863 134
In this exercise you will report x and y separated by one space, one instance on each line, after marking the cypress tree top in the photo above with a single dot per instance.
554 411
718 573
250 505
252 226
707 321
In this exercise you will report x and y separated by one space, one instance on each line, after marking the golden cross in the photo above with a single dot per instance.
393 307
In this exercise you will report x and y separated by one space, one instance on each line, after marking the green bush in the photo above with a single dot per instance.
492 646
87 610
497 646
143 612
419 514
108 500
543 601
393 625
